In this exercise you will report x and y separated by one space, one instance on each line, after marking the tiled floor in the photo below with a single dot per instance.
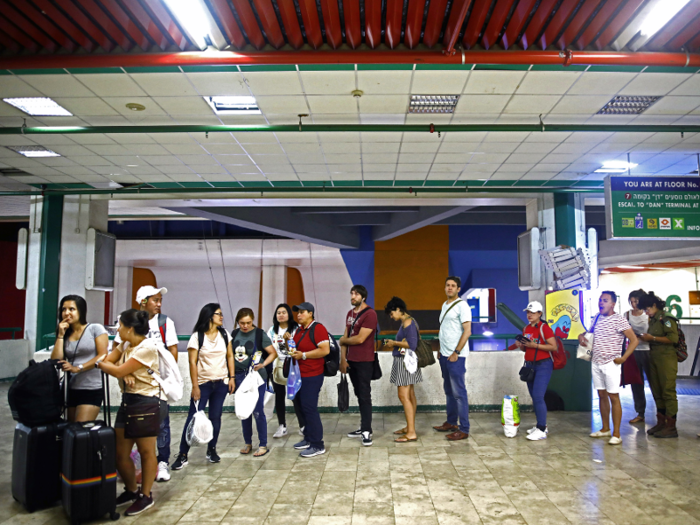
489 479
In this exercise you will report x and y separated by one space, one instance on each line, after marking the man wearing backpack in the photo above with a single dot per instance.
455 329
160 328
357 357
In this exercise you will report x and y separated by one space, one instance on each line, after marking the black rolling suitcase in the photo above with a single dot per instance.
38 447
89 471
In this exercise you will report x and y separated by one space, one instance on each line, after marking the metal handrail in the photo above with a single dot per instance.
12 330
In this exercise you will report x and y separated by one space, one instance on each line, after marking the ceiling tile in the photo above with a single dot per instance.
397 104
273 104
165 84
306 158
111 85
108 149
119 104
192 160
438 82
185 149
207 168
12 86
274 83
57 85
264 149
91 160
340 147
380 158
493 82
454 158
269 159
380 147
580 104
219 84
596 83
328 82
689 87
332 104
338 136
532 104
225 149
185 106
84 106
376 166
416 158
161 160
654 84
547 82
674 105
376 137
255 137
384 82
525 158
482 104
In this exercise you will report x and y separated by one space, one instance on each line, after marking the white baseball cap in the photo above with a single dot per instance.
147 291
534 306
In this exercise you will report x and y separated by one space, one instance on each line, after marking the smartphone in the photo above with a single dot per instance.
522 339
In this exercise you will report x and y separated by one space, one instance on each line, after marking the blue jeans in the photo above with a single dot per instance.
214 393
538 386
164 439
308 401
258 414
455 391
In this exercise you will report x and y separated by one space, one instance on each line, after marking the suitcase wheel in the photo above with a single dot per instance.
114 516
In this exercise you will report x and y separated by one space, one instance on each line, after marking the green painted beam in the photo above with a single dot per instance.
49 264
565 219
367 128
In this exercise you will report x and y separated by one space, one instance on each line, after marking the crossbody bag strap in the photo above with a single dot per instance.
450 308
75 353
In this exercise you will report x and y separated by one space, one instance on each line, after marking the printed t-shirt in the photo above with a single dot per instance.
365 351
533 334
85 351
212 364
154 332
451 328
310 367
244 349
145 353
608 337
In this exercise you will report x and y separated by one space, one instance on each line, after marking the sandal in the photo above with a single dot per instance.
247 449
264 450
638 419
405 439
402 431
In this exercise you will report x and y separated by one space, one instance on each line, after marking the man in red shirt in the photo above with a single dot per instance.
357 357
312 346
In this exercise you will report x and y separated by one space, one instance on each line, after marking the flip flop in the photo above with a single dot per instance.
247 449
399 432
405 440
258 454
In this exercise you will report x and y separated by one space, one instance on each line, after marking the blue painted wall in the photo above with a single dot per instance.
360 263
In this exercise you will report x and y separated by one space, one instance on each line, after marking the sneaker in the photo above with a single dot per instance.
302 445
212 456
281 432
355 434
536 435
366 439
180 462
163 471
312 451
301 431
142 503
127 497
531 430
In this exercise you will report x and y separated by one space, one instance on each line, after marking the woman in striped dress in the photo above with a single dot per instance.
406 338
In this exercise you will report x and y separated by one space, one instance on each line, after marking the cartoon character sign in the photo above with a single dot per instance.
563 313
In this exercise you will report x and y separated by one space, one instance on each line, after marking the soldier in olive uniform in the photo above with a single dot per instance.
662 337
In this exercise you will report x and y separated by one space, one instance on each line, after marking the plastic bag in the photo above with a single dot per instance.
136 458
247 394
294 379
200 430
410 361
343 394
510 416
269 402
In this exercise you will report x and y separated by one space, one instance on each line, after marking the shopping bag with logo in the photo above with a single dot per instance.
294 379
510 416
200 430
247 394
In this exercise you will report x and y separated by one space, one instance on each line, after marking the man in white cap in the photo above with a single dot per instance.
160 328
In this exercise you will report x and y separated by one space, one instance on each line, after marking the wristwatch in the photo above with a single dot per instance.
80 367
303 356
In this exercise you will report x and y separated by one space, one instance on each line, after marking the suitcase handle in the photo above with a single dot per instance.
105 394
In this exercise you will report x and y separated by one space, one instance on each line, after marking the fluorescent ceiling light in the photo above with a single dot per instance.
664 11
433 103
231 105
487 333
39 107
628 105
606 271
197 22
631 267
33 151
616 166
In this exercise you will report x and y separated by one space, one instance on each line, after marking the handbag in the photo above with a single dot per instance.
143 419
586 352
343 394
526 373
376 368
269 402
424 351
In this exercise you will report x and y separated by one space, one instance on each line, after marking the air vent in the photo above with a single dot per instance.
623 105
14 172
33 151
433 103
233 105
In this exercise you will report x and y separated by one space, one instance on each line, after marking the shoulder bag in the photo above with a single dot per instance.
424 350
586 352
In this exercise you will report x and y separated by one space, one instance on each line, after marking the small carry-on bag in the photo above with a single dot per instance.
37 451
89 471
35 396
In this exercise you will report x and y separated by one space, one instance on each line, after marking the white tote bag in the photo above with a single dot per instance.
410 361
246 396
200 430
586 352
269 403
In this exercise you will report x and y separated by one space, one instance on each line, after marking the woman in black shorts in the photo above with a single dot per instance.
131 362
78 346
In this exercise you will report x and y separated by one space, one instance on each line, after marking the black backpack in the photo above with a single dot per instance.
331 363
35 396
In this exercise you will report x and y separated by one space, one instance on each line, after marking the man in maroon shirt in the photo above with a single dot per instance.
357 357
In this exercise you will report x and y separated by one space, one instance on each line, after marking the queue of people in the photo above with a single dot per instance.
219 361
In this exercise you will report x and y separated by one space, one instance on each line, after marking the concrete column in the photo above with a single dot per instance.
540 214
79 214
274 288
570 217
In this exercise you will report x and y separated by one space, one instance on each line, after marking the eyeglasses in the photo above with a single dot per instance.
219 314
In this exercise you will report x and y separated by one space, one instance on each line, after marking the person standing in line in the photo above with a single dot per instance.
662 336
312 346
406 339
78 346
282 323
252 348
538 356
609 331
162 329
455 329
211 364
357 357
639 321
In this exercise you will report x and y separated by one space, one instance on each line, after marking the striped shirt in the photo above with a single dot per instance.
608 338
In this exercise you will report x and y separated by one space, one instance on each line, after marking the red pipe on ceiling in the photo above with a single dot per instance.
217 58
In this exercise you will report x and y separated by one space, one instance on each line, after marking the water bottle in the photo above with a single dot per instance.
291 345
